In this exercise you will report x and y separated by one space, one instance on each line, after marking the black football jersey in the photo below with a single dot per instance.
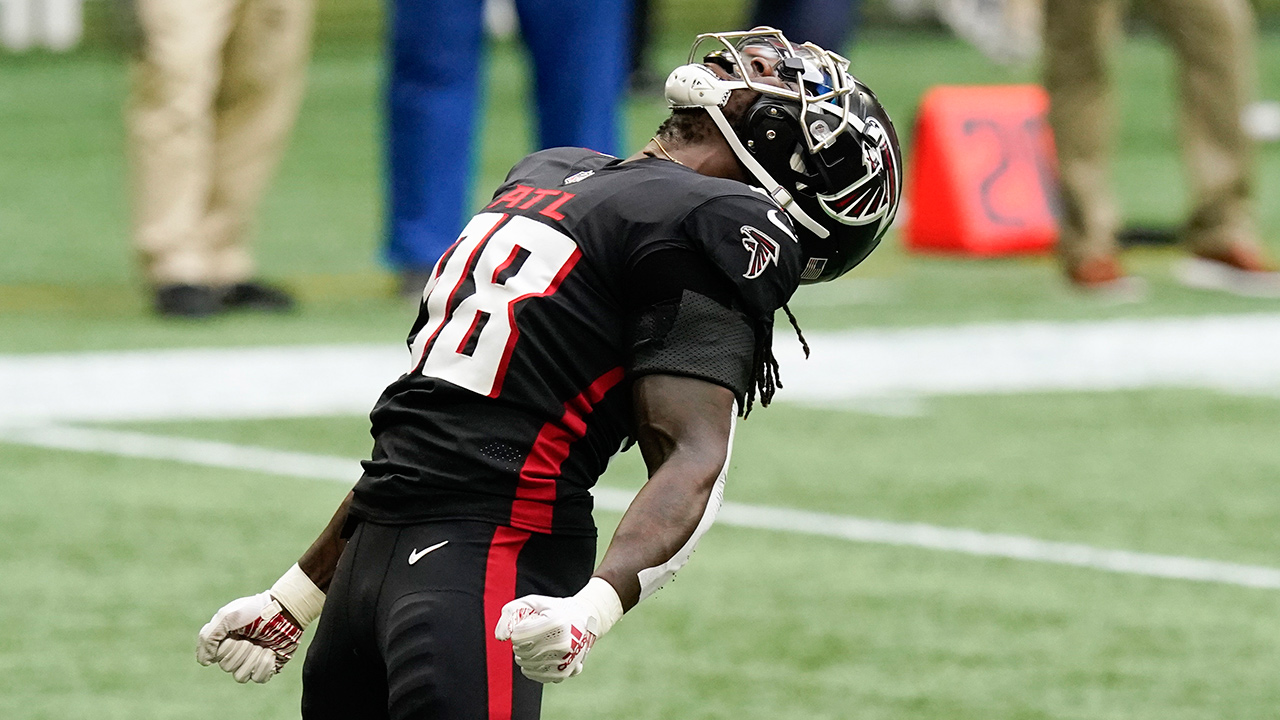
518 388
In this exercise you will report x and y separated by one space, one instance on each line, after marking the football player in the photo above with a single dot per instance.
595 303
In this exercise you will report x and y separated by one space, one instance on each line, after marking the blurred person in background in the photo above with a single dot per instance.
1007 31
54 24
216 86
827 23
641 78
580 63
1214 44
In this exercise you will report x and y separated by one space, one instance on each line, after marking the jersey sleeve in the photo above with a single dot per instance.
685 321
752 242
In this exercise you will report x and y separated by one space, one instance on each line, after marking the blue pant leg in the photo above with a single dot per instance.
827 23
830 24
775 14
432 90
580 56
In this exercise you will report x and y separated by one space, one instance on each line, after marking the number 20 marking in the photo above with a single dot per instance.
498 261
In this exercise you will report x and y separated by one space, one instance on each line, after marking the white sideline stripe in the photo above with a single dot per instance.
196 452
1016 547
971 542
1237 353
1240 353
214 383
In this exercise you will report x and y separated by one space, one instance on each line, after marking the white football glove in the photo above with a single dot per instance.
249 638
252 638
551 636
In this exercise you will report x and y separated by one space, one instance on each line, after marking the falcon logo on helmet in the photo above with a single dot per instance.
876 194
764 250
815 139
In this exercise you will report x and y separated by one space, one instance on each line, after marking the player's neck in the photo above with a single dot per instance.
714 159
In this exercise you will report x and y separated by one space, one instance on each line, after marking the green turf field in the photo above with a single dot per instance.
110 564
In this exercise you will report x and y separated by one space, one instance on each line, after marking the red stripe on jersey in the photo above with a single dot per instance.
466 338
466 273
536 491
500 589
515 252
515 329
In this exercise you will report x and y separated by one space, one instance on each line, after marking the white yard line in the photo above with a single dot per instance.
323 467
197 383
1238 353
195 452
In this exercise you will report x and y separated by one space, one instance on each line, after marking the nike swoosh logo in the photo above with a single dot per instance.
416 555
773 218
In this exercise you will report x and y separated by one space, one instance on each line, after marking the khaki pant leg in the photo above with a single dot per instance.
1079 40
1214 43
170 133
264 76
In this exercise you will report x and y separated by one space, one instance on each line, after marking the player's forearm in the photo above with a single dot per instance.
684 427
321 559
660 521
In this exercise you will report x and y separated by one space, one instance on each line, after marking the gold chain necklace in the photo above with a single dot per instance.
666 154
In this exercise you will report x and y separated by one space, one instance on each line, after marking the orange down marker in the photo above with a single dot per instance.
982 177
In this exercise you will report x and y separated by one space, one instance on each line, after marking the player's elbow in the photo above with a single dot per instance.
705 461
698 456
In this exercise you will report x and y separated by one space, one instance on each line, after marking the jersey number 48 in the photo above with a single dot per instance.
470 301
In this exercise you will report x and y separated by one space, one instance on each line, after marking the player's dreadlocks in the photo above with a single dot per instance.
764 375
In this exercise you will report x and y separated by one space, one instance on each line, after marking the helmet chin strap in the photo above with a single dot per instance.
779 194
695 85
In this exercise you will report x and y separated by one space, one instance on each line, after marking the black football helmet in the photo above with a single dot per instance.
816 139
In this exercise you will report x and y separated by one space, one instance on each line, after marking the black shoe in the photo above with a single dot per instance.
189 301
253 295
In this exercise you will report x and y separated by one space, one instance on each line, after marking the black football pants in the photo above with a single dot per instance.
407 628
